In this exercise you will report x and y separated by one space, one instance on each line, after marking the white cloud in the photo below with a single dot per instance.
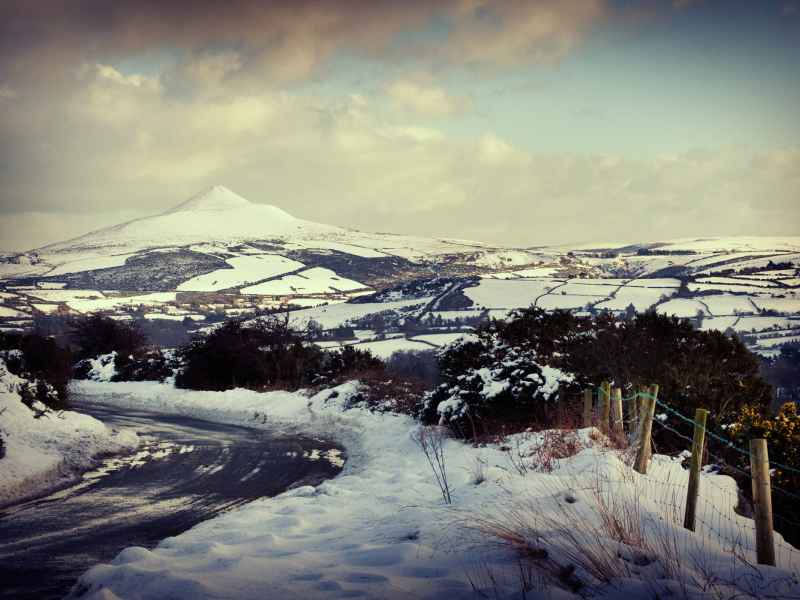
414 97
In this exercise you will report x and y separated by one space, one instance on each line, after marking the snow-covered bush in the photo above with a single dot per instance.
46 369
499 375
151 365
154 365
104 339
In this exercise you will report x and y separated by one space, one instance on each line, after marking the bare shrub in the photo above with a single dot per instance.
431 440
261 353
97 335
416 364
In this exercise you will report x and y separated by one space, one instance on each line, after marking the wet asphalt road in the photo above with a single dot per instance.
186 472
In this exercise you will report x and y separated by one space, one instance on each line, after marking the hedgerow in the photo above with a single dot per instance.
508 371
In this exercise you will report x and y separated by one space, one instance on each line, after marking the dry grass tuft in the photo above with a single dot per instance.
380 391
550 446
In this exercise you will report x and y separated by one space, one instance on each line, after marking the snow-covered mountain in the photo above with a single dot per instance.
219 216
217 226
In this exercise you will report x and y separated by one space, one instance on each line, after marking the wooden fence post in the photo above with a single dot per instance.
693 488
560 406
633 410
643 443
616 415
587 407
604 403
762 502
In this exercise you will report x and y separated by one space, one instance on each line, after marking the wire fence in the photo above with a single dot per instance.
717 516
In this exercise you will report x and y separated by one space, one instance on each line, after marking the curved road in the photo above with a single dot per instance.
185 472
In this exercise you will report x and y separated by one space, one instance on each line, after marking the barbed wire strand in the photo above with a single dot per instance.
728 443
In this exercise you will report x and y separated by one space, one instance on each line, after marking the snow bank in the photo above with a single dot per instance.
381 528
49 452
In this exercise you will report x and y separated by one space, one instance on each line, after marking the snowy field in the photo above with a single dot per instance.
383 349
91 264
337 314
723 282
735 286
536 272
636 296
382 528
310 281
88 306
66 295
513 293
757 263
245 270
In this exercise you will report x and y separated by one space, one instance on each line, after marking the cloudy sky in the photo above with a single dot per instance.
519 122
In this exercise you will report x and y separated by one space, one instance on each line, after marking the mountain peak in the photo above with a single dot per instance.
216 197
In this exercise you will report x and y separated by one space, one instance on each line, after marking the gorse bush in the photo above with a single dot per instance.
782 433
265 352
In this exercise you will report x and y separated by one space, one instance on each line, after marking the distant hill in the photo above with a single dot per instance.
218 241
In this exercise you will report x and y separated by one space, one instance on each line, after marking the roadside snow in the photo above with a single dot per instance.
381 528
50 452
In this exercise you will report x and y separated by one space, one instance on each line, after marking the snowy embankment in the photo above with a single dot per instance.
586 524
52 451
